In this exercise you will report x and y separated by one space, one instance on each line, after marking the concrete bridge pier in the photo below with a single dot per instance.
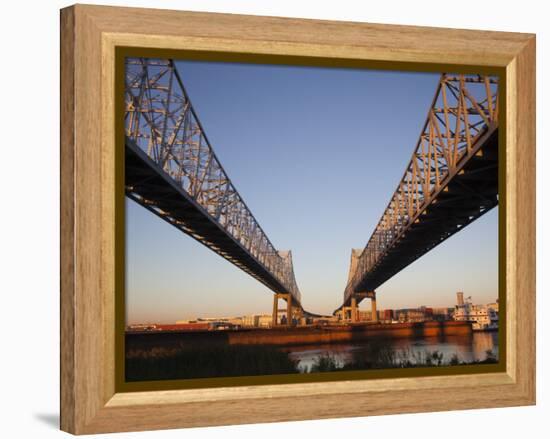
347 313
372 296
275 313
353 309
298 314
289 308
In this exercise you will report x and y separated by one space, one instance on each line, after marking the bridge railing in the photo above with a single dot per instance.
464 108
161 121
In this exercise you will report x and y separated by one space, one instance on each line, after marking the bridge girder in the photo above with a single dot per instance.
449 182
172 170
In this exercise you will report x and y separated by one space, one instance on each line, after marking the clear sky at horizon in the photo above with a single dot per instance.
316 154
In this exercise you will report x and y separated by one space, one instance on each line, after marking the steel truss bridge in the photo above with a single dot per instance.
172 170
450 181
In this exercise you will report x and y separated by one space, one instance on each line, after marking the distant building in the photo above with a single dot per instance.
441 314
412 315
265 320
386 315
483 317
416 316
252 320
210 323
235 322
428 312
257 321
194 326
364 316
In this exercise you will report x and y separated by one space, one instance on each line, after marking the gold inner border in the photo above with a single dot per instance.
121 52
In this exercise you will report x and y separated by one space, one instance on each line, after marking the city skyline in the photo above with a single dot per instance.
364 309
323 156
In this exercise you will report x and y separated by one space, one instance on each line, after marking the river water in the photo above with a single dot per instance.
467 348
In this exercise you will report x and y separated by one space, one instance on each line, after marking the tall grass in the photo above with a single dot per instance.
206 362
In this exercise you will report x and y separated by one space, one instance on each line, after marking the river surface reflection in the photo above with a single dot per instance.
467 348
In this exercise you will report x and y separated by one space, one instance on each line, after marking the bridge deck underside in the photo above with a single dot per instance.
469 195
145 180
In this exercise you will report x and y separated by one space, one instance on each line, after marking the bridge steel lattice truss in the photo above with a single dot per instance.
172 170
450 181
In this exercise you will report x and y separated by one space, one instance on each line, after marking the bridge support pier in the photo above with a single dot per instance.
289 308
353 309
355 299
349 313
275 314
374 314
299 313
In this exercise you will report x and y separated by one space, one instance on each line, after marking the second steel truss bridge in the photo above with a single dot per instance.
450 181
172 170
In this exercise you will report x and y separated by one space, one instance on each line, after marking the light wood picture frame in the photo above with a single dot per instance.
91 37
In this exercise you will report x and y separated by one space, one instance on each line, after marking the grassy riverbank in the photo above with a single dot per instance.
207 362
162 363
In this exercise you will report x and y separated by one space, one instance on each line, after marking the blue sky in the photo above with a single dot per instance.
316 153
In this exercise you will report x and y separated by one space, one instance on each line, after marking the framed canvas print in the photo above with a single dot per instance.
268 219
